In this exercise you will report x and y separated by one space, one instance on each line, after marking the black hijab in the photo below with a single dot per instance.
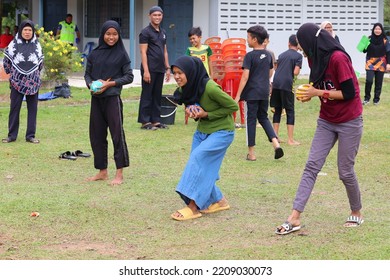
25 55
377 39
318 45
197 79
108 60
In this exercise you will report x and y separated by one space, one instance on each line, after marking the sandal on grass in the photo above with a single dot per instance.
67 155
186 214
80 153
215 207
288 228
7 140
353 221
148 126
161 125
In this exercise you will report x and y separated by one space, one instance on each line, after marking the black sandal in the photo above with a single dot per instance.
7 140
148 126
161 125
32 140
67 155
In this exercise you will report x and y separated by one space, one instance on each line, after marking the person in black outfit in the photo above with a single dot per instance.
377 63
155 64
289 65
109 64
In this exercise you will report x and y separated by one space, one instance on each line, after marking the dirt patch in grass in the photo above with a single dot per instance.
84 249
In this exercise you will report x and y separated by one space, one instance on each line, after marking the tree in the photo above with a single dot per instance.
386 13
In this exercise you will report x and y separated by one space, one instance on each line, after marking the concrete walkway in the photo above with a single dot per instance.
78 80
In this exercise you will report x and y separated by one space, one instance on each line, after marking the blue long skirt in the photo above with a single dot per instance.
202 170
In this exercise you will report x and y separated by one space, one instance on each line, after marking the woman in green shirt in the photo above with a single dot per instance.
208 104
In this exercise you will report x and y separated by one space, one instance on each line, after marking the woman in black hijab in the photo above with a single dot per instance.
212 108
23 60
334 82
107 70
377 63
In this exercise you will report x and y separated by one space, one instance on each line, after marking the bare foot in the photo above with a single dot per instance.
293 143
102 175
116 181
118 178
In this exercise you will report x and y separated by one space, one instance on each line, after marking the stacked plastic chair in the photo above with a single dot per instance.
233 52
216 59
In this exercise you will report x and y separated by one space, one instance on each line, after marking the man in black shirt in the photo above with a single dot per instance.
154 66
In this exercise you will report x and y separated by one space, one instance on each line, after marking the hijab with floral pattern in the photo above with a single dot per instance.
26 56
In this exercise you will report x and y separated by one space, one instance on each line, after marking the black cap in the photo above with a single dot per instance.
155 9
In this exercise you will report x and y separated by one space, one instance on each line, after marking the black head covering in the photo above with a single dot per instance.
155 9
377 39
25 55
108 60
197 79
318 45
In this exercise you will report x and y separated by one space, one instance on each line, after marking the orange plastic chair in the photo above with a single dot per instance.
232 62
215 45
216 57
217 62
234 52
214 39
233 41
233 57
230 47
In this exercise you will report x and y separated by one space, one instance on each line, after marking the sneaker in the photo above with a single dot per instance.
376 103
365 102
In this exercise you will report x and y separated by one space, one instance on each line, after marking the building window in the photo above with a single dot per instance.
99 11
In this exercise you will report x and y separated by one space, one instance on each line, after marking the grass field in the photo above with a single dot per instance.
93 221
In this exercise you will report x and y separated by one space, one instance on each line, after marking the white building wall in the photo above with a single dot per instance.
201 14
350 19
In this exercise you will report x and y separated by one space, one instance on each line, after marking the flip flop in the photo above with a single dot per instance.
67 155
288 228
353 221
79 153
187 214
215 207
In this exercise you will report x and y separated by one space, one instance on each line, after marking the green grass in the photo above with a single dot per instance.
84 220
